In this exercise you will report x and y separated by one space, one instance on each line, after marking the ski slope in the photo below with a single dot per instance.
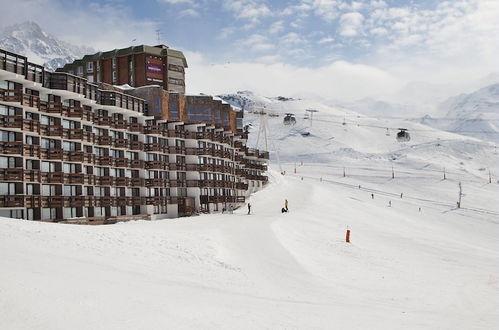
420 263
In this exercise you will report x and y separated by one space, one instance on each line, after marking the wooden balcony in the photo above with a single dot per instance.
32 176
88 157
155 147
121 181
137 163
136 145
121 162
11 148
104 160
72 133
104 140
155 129
12 200
11 174
88 136
49 153
135 127
205 199
241 186
156 200
156 182
177 167
52 177
74 178
31 125
104 180
136 182
31 150
51 107
11 121
50 130
177 134
178 183
156 164
73 156
119 124
19 64
11 95
89 179
177 150
103 120
73 112
120 143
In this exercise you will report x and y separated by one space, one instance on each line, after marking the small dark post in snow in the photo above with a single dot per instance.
460 195
393 173
344 172
445 176
347 237
490 178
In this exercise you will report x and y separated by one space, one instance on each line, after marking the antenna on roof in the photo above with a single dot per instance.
158 36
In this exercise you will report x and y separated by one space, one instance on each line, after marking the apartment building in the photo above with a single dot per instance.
72 150
136 66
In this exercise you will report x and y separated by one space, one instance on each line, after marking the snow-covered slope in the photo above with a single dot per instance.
415 260
30 40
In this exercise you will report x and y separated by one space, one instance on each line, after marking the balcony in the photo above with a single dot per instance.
11 121
104 140
178 150
136 163
72 133
136 182
154 147
11 174
46 153
18 64
52 177
177 134
31 150
88 136
135 127
136 145
50 130
178 183
205 199
51 107
104 160
156 200
155 129
119 124
31 125
73 156
11 95
156 164
11 148
74 178
177 167
104 180
121 162
103 120
88 157
32 176
121 181
89 179
156 182
241 186
73 112
120 143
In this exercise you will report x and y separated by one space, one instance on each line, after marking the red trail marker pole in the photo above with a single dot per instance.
347 238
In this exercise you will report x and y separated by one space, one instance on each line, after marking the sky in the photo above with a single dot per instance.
331 49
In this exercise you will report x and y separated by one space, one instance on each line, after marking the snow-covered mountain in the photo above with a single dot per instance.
29 39
475 114
246 100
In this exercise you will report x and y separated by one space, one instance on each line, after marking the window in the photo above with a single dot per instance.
48 143
70 168
7 188
71 191
7 111
115 77
69 146
7 136
49 213
48 189
79 71
7 162
90 78
90 67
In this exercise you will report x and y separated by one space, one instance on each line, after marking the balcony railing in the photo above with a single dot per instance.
56 153
156 164
11 121
15 147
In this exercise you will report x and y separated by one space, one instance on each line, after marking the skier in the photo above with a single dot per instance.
249 208
372 196
286 205
389 203
401 195
231 209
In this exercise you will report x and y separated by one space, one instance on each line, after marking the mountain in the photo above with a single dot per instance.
475 114
30 40
246 100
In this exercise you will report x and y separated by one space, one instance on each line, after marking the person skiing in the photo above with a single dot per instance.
389 203
286 205
401 194
249 208
372 196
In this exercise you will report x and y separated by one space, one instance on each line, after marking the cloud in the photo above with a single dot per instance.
189 13
340 79
175 2
250 10
326 40
351 24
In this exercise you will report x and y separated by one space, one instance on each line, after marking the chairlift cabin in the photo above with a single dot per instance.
403 135
289 119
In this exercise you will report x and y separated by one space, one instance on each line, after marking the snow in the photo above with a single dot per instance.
405 268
